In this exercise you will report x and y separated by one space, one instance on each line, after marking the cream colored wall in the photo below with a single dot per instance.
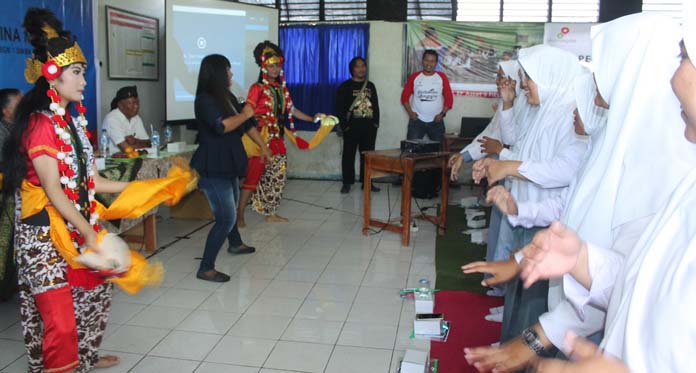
324 162
385 62
151 93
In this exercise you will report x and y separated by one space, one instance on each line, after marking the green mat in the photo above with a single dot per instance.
455 249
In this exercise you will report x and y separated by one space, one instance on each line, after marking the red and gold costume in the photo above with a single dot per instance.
273 109
64 305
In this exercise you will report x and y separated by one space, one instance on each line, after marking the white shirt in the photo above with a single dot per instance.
118 127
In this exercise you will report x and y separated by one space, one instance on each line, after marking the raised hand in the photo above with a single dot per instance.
455 163
490 146
552 253
502 199
502 271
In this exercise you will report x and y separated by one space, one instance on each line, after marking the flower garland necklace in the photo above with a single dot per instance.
274 128
68 163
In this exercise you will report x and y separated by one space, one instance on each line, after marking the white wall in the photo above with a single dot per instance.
324 162
151 93
385 62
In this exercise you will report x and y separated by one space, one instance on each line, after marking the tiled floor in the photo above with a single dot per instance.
317 296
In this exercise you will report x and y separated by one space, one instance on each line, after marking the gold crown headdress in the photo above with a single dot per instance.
51 68
272 58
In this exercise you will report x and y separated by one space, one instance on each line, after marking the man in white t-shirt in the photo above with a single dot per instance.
427 97
123 124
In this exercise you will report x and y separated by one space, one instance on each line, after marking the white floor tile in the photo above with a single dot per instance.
324 310
386 314
335 293
287 289
304 357
186 345
313 331
182 298
339 277
260 326
160 317
224 368
368 294
241 351
134 339
120 312
299 275
346 359
368 335
204 321
10 351
265 271
275 306
161 364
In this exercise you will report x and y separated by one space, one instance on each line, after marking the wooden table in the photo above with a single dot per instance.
382 162
143 230
455 143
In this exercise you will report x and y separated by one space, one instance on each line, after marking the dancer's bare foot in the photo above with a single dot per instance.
107 361
276 219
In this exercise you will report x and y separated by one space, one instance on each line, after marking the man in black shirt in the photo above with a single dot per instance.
358 109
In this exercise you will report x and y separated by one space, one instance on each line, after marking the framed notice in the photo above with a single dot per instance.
132 40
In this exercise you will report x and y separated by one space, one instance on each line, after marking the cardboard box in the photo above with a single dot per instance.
425 302
428 324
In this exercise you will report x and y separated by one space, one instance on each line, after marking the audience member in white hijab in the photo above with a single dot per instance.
649 294
550 151
635 57
490 143
589 118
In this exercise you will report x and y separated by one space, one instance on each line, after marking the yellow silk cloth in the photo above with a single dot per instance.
326 125
135 200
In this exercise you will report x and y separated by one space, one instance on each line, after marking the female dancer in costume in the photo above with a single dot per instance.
271 101
51 174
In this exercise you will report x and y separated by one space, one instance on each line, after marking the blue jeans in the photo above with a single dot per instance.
223 195
417 129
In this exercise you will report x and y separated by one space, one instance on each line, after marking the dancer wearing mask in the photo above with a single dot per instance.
634 148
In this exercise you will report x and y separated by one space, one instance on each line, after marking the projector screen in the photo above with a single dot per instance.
197 28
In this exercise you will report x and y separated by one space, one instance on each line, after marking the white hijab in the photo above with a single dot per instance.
548 126
641 153
650 322
594 118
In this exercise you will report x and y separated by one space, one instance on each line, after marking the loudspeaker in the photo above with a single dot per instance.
387 10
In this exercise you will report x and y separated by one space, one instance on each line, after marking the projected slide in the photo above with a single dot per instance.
196 29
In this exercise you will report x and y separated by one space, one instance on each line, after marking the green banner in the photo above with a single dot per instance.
469 52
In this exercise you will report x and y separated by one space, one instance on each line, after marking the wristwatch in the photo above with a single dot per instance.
531 339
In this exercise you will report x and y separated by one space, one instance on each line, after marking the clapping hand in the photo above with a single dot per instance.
552 253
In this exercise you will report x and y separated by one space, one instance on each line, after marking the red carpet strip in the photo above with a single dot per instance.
468 328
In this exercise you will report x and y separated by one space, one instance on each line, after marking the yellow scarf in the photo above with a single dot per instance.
327 124
135 200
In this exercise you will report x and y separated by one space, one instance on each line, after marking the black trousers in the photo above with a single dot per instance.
359 136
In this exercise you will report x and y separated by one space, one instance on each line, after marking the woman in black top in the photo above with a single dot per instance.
220 158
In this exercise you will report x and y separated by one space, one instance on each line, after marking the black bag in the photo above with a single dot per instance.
426 184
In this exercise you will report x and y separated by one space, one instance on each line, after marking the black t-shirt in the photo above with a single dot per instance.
367 109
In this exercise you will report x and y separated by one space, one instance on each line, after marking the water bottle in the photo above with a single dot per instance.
155 141
168 134
423 288
104 143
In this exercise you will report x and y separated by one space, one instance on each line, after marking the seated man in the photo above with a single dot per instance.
123 124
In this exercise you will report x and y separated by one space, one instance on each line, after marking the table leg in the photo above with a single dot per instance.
367 181
150 232
444 199
406 204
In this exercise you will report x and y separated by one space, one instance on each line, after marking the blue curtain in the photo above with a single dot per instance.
316 63
76 16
